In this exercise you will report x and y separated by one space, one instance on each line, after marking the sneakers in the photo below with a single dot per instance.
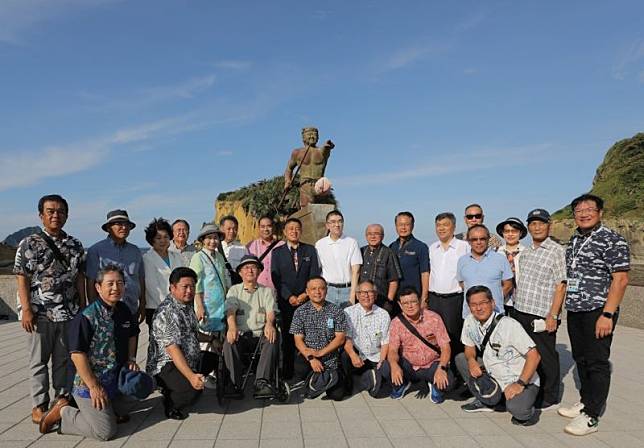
399 391
263 389
545 407
582 425
529 422
476 406
435 395
571 412
211 382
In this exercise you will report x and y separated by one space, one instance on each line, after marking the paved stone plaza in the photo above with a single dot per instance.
357 422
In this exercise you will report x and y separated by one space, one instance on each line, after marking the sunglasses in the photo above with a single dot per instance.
474 216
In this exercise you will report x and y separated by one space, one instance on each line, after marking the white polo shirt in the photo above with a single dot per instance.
337 257
442 265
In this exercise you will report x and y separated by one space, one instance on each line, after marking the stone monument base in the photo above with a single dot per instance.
313 218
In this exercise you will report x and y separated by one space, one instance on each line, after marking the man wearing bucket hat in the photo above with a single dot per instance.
540 291
509 358
102 341
513 231
250 313
116 250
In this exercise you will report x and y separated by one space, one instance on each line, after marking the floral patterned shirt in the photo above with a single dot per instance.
173 323
52 288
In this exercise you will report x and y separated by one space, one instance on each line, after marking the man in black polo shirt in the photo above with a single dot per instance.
319 328
413 255
597 265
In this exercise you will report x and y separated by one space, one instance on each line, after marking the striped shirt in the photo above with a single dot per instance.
540 269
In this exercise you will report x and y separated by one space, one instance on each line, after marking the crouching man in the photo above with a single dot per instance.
174 357
419 350
102 339
250 313
505 369
319 329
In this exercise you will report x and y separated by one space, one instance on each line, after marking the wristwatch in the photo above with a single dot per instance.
607 314
445 368
310 357
520 381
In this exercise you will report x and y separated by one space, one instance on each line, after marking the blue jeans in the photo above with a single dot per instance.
338 296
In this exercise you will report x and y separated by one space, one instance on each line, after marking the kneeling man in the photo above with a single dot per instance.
102 339
174 357
319 329
419 349
250 313
508 356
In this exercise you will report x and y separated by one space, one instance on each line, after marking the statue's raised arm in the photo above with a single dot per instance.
309 162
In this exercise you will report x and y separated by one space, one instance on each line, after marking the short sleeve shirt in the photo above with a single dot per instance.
337 257
592 259
368 330
380 266
539 270
490 270
250 307
103 334
319 328
126 256
419 355
173 323
507 348
52 288
413 255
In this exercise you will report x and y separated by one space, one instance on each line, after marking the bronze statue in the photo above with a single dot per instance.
310 162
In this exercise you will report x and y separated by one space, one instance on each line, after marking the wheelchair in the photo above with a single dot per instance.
250 359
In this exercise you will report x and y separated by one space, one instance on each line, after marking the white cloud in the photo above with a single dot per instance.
629 59
476 161
18 17
28 168
234 64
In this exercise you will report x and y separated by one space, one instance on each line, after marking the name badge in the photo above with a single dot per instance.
409 252
573 285
329 322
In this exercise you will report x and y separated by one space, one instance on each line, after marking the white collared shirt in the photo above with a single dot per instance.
368 330
234 252
337 257
442 274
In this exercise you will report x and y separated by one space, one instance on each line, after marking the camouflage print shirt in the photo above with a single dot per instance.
592 258
52 288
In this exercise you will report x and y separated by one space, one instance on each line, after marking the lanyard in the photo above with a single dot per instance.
573 264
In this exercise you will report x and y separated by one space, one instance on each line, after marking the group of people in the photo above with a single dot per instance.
472 314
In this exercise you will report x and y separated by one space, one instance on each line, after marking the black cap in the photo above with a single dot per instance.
515 222
249 259
540 214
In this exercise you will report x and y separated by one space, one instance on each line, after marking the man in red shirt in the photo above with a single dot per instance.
419 349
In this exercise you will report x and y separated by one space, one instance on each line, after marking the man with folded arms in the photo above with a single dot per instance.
102 339
419 350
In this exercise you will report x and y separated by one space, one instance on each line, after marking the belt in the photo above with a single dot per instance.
451 294
340 285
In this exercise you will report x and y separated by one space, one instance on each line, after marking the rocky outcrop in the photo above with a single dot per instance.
15 238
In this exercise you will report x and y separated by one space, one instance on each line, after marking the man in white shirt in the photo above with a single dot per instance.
231 248
445 292
367 340
179 243
340 259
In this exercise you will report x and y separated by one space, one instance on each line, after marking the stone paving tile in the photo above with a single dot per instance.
273 430
89 443
442 427
281 443
15 443
131 443
495 441
316 430
197 430
355 429
413 442
318 414
369 442
225 443
21 431
454 441
236 430
193 444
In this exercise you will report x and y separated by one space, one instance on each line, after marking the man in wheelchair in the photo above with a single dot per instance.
250 314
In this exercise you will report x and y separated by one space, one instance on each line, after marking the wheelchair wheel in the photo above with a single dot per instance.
283 392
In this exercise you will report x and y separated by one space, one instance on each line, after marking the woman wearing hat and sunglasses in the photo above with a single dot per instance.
512 230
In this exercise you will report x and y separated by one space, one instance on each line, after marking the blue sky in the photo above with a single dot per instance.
158 106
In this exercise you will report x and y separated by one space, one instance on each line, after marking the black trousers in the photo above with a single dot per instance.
450 309
591 356
349 370
302 369
288 343
177 391
409 374
245 345
548 369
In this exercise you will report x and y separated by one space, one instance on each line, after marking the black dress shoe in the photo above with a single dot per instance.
175 414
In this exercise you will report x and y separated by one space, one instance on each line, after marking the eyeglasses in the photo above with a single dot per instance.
366 292
585 211
474 240
479 304
409 303
121 224
474 216
335 221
